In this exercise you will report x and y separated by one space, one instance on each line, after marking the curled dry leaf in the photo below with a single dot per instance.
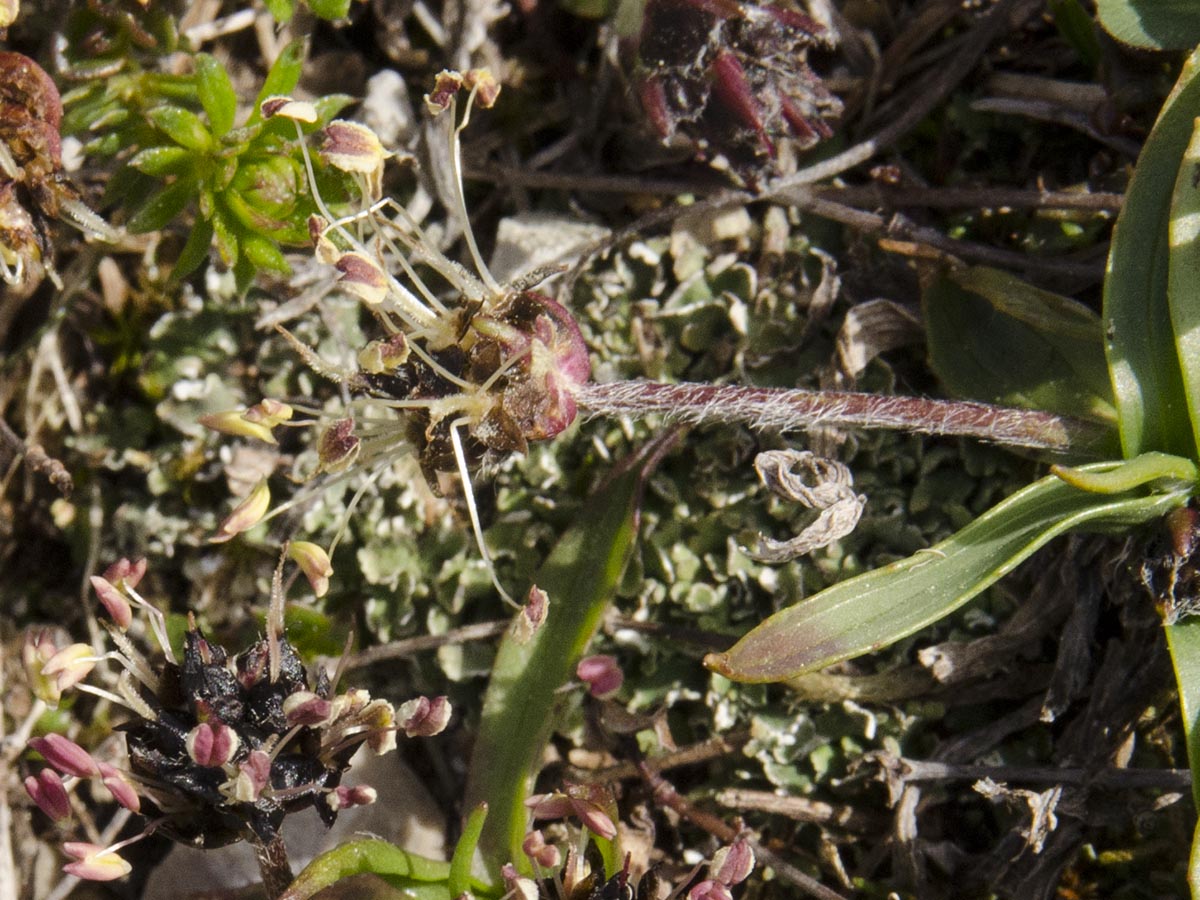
821 484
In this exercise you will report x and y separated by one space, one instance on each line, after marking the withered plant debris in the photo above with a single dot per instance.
733 78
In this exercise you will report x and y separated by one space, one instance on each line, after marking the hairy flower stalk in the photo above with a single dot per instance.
793 410
221 746
464 378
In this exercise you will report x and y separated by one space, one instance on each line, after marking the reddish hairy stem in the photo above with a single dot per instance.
791 410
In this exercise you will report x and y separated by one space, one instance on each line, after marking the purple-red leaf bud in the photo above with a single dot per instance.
119 786
94 863
66 756
47 791
423 717
314 563
601 674
246 514
113 601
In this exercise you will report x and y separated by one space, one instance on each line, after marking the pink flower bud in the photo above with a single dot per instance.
601 674
732 865
66 755
119 786
346 797
94 863
212 744
577 802
47 791
246 514
69 666
114 601
535 847
516 886
423 717
125 571
306 708
254 774
314 563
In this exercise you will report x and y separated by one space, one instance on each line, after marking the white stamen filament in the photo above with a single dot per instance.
412 307
158 622
460 199
469 495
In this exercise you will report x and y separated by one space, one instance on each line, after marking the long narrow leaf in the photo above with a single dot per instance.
580 577
1145 371
880 607
1183 640
1183 279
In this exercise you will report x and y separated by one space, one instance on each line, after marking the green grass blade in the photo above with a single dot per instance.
417 877
878 608
1147 382
1183 276
580 577
1183 641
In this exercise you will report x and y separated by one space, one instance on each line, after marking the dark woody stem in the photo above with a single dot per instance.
793 410
273 866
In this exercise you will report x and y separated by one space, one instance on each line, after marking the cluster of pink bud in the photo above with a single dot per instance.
221 747
589 804
730 865
68 763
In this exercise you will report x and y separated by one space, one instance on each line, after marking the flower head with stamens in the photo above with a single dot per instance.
476 373
221 746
